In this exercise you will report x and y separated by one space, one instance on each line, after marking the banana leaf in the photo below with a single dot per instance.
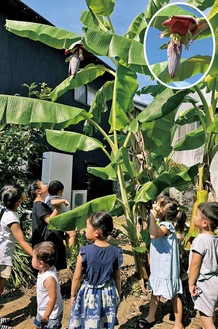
76 218
39 113
49 35
192 140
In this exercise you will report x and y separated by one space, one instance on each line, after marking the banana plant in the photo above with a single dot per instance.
126 53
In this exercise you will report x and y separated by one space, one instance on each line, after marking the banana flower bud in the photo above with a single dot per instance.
174 52
74 63
180 29
78 53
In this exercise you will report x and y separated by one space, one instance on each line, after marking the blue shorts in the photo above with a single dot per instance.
52 323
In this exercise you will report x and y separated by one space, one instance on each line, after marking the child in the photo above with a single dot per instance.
41 214
49 299
95 303
12 196
203 268
54 199
164 259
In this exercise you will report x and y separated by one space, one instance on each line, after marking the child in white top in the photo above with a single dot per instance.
203 268
49 299
12 196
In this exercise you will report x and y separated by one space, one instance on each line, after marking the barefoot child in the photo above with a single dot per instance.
203 268
49 299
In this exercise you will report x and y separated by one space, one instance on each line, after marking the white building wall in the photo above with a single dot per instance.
192 157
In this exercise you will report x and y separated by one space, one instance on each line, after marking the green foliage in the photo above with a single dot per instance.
147 135
73 252
18 149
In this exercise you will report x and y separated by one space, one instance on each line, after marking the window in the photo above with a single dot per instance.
84 94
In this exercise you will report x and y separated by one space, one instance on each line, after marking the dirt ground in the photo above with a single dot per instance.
20 304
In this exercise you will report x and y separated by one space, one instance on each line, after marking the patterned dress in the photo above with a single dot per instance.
97 301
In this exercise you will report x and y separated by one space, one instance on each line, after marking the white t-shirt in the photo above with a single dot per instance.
42 294
7 239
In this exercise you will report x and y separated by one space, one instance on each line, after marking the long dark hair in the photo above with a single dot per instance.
31 190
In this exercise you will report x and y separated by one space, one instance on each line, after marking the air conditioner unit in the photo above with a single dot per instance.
78 198
58 166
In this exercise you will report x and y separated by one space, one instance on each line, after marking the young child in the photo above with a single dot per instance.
54 199
12 196
164 259
41 214
49 299
203 268
95 303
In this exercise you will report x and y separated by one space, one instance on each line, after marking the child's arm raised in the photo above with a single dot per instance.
18 234
194 269
50 285
156 232
76 279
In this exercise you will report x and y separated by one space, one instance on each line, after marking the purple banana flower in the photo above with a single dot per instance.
74 63
174 52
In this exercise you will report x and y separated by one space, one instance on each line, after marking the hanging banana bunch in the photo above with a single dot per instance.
182 29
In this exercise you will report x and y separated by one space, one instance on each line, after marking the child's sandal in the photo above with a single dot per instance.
3 326
4 320
142 323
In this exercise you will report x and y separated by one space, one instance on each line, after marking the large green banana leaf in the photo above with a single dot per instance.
113 45
110 171
101 7
87 74
125 87
154 131
138 26
189 116
187 68
164 103
39 113
201 4
76 218
69 141
106 173
49 35
150 190
192 140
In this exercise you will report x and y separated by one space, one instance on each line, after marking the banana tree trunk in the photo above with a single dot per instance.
201 196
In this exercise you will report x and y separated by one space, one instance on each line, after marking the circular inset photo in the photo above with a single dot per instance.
179 45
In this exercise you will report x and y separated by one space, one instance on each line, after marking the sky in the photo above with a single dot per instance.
65 14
